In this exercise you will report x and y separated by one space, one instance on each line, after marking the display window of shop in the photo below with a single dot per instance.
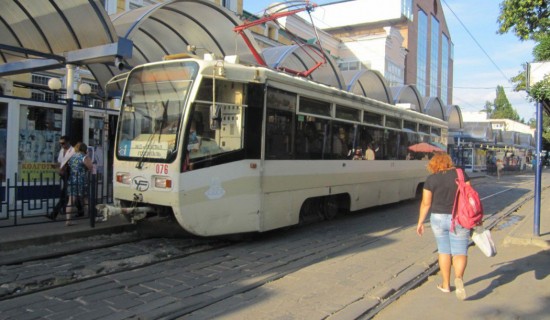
3 139
39 133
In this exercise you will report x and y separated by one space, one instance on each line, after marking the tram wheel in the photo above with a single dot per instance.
330 208
311 211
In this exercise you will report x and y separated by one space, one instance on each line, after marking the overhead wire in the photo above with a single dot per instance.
477 42
375 53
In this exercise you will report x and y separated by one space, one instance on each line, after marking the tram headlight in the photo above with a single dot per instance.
123 177
162 182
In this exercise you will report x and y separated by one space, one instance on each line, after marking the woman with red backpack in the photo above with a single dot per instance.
452 246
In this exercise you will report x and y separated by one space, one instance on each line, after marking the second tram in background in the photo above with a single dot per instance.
222 148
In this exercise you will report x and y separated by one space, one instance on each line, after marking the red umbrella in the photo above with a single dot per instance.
424 147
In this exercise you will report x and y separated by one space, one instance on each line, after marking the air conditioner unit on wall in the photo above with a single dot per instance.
6 87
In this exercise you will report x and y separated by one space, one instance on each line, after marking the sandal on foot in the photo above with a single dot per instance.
443 289
460 291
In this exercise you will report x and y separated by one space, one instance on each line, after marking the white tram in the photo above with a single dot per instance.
225 148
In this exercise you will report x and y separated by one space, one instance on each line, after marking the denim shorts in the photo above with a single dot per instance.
453 243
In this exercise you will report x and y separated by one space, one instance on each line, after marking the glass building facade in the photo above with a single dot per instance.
434 58
445 46
422 54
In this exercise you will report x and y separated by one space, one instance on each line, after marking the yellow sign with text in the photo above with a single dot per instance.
38 171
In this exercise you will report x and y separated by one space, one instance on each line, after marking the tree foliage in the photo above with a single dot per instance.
540 91
502 107
541 51
488 108
528 19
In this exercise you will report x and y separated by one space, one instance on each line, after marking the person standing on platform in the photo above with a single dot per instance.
79 165
65 153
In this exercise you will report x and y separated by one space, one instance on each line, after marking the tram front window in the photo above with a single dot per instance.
152 109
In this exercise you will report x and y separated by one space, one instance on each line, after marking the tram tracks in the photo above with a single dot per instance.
60 268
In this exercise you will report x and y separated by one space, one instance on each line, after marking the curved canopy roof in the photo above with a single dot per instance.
434 108
302 58
410 95
478 132
56 27
169 27
454 118
368 83
30 29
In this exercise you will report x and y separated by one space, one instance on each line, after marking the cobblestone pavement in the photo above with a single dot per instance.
311 272
35 275
183 285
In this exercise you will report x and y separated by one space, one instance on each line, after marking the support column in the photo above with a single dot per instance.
69 79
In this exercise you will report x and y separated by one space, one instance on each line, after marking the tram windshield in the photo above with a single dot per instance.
154 102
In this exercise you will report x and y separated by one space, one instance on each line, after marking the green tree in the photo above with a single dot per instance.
541 51
488 108
502 107
528 19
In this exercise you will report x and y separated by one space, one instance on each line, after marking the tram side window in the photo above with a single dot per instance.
407 140
393 144
312 137
342 140
253 121
374 137
281 106
278 134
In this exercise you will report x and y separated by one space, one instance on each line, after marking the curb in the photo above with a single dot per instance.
62 237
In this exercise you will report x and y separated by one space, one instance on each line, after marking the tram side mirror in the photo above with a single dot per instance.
215 117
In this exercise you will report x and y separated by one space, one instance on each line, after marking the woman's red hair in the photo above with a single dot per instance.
440 162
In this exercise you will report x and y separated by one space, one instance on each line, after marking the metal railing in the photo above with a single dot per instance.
24 202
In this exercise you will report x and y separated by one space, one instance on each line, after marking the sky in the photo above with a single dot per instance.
478 69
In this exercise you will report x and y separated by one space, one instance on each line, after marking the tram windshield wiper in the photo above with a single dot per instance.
157 130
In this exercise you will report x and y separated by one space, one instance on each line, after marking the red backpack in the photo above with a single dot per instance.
467 208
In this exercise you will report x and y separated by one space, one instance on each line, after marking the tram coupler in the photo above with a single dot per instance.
135 213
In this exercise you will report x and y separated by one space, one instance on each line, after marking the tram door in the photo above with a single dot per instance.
94 137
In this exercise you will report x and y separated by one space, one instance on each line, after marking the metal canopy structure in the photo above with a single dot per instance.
170 27
53 27
408 94
434 108
46 35
454 117
299 58
480 132
368 83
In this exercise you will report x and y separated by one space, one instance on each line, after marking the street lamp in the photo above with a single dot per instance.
54 84
84 89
